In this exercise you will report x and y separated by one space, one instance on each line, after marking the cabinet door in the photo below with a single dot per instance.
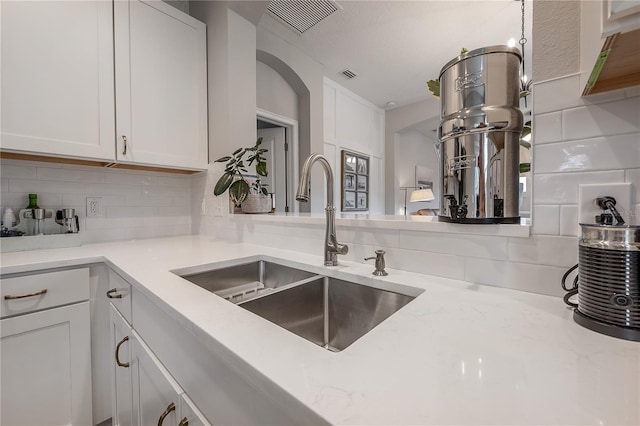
57 78
121 395
46 367
189 413
161 86
156 394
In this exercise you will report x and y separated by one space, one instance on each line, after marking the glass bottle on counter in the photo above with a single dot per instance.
33 202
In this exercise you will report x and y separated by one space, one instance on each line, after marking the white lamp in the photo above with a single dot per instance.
425 194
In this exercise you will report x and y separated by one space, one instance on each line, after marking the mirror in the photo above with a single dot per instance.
394 48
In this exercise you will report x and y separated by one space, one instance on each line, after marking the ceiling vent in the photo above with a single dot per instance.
302 14
349 73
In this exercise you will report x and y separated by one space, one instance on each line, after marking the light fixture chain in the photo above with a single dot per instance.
523 39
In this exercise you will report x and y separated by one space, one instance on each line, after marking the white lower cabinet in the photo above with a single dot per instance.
121 391
46 354
159 399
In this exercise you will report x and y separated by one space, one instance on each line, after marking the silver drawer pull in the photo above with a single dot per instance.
37 293
111 295
169 409
121 364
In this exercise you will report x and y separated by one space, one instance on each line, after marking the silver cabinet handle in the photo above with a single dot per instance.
121 364
124 141
184 422
169 409
37 293
111 295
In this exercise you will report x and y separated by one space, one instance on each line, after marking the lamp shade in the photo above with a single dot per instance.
422 195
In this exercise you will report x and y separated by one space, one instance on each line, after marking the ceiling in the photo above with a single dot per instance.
395 46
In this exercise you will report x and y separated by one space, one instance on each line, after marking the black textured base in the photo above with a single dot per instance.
619 331
481 220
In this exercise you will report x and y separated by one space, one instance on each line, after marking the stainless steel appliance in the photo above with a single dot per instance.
479 136
68 219
609 277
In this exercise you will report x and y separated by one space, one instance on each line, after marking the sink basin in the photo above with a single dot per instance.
329 312
247 280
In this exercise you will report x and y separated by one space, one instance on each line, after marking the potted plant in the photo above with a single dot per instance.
240 190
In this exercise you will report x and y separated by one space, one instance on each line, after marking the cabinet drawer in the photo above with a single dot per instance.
28 293
119 295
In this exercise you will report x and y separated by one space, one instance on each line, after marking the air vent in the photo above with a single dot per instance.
348 73
302 14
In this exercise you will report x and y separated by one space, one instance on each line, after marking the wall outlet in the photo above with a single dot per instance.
587 194
94 207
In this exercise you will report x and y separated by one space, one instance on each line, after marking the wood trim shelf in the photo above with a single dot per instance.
93 163
618 66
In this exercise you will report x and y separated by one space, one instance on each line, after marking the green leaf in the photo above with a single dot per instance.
261 168
237 151
265 192
463 51
525 167
223 183
525 144
238 191
259 141
222 159
434 87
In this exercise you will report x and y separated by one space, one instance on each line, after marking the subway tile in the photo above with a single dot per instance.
70 175
162 191
528 277
459 244
174 211
611 118
633 176
378 237
569 220
41 187
99 190
562 188
147 200
546 220
547 128
81 200
556 95
634 217
604 153
544 250
131 211
424 262
130 179
113 223
23 163
178 182
17 171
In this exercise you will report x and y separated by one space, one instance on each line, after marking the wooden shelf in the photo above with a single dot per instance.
618 65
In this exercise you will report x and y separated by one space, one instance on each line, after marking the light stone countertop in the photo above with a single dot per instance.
458 354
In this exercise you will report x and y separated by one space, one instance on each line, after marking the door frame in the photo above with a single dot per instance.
291 137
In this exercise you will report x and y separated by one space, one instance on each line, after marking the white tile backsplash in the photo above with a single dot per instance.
130 212
602 153
569 220
610 118
547 128
547 219
562 188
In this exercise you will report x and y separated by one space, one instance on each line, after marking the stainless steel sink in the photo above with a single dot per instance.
328 312
247 280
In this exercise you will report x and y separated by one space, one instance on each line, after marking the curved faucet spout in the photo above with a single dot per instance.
331 245
303 185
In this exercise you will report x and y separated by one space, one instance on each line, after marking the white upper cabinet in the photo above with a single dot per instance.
161 86
57 78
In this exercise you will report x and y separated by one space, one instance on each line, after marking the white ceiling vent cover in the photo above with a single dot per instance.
349 73
302 14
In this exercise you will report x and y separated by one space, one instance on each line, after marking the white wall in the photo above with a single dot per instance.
274 94
413 149
354 124
136 204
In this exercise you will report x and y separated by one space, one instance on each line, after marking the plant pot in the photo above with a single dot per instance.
256 203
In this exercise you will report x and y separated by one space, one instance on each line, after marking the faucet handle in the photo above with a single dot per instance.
380 265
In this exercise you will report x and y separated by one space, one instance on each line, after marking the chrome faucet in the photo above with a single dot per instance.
332 248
